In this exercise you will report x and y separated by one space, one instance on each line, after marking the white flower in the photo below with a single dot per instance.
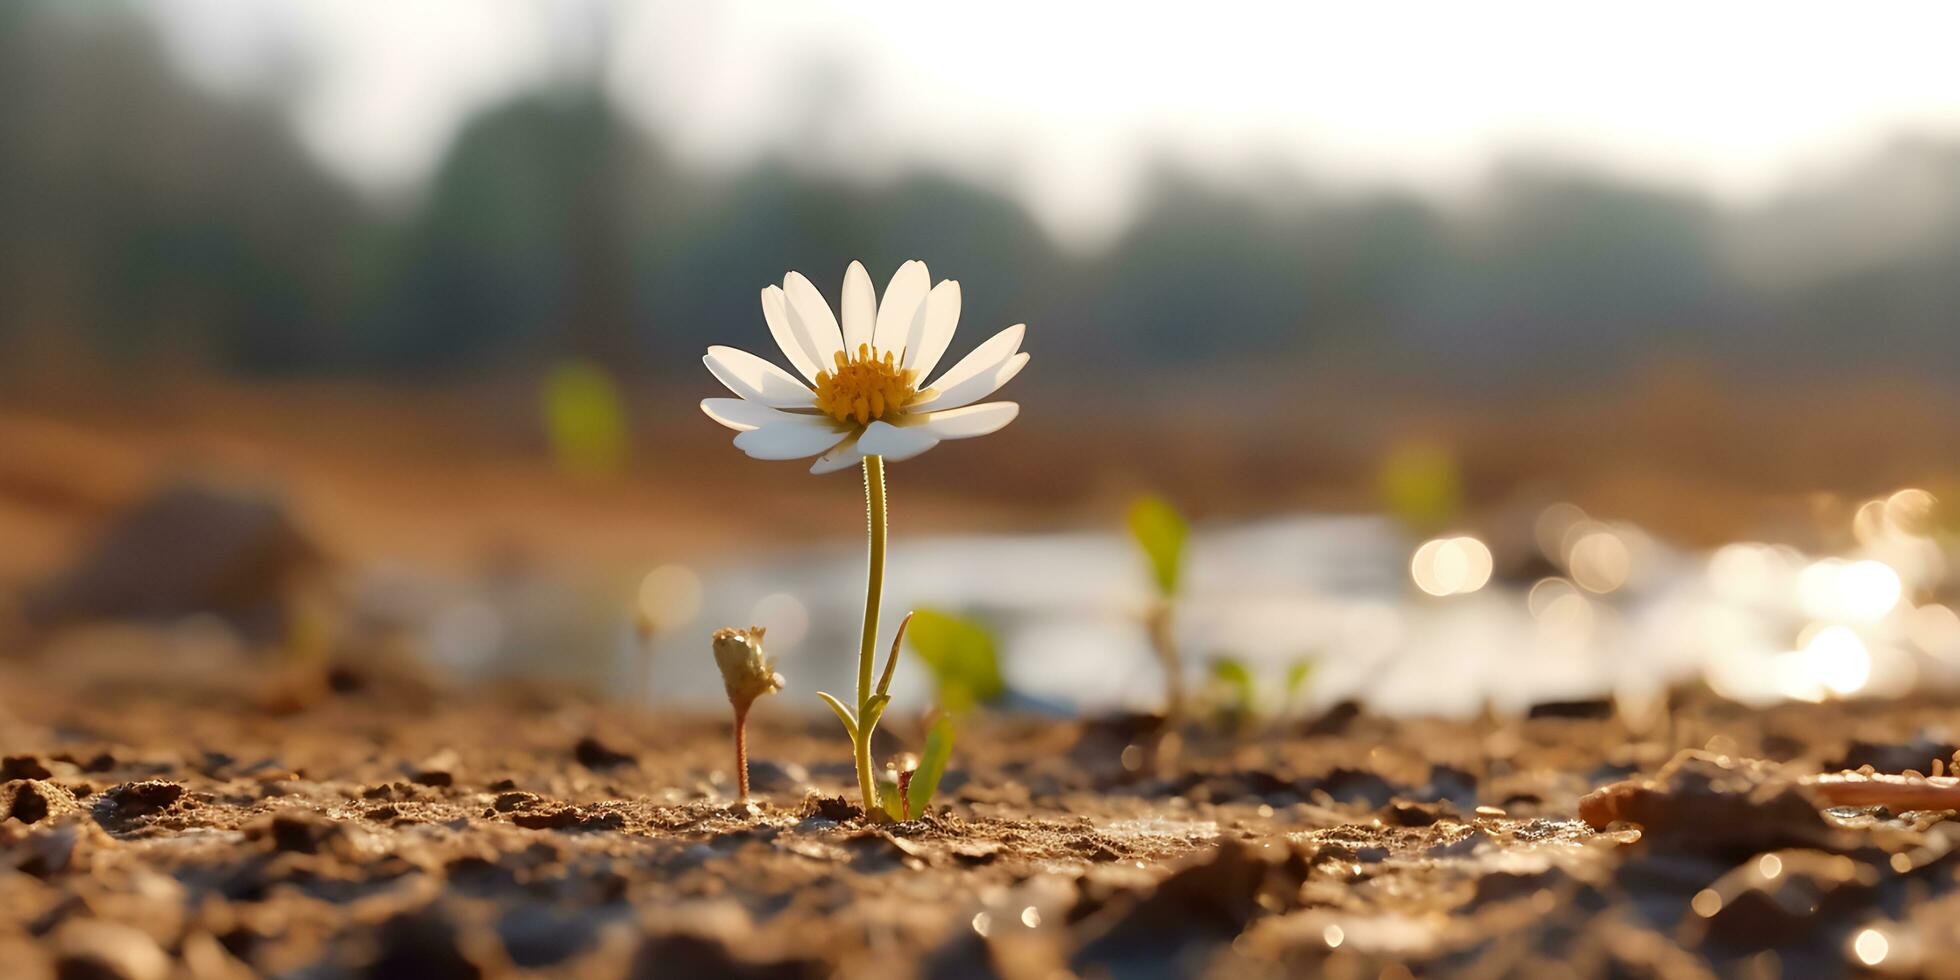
863 396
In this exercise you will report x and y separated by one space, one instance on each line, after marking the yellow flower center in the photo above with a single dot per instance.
865 387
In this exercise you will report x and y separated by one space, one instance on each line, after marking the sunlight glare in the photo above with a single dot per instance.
1451 566
1860 591
670 596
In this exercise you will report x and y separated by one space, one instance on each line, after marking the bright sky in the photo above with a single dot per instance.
1064 104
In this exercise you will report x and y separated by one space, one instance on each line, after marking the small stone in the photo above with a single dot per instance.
297 831
775 777
684 955
95 948
23 767
32 801
835 809
1404 814
423 943
594 754
981 851
571 818
143 798
436 770
47 853
515 800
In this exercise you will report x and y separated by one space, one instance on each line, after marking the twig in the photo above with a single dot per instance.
1908 791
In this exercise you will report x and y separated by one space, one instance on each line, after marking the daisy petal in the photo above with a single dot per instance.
980 385
792 438
756 379
985 359
895 442
741 414
811 317
926 344
904 297
801 350
860 307
842 456
973 420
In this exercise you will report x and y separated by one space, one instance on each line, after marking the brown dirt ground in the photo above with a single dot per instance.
159 826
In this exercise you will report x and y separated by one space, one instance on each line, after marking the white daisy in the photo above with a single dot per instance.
863 396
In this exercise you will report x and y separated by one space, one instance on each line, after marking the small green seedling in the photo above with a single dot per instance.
1234 696
862 723
909 793
1161 532
1421 487
747 675
1234 692
1297 674
961 655
584 419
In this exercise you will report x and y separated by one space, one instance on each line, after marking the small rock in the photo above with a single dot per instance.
296 831
1917 755
1352 786
835 809
143 798
515 800
1334 720
1461 847
32 801
1714 803
593 754
571 818
1404 814
774 777
1780 897
23 767
424 944
537 935
1452 785
1204 904
1505 886
976 852
49 852
102 950
683 955
876 850
185 550
1587 709
436 770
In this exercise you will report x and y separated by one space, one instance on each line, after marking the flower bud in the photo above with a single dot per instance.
745 672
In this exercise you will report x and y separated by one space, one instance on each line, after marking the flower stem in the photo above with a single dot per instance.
874 589
742 750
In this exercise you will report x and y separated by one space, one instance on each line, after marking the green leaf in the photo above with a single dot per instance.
932 766
1232 674
843 714
1421 487
1160 531
891 661
959 653
889 800
873 710
584 418
1296 676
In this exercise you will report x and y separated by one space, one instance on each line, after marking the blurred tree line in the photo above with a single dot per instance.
146 222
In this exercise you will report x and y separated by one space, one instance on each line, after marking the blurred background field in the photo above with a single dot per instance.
436 279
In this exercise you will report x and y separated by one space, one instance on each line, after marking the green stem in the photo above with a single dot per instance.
874 589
